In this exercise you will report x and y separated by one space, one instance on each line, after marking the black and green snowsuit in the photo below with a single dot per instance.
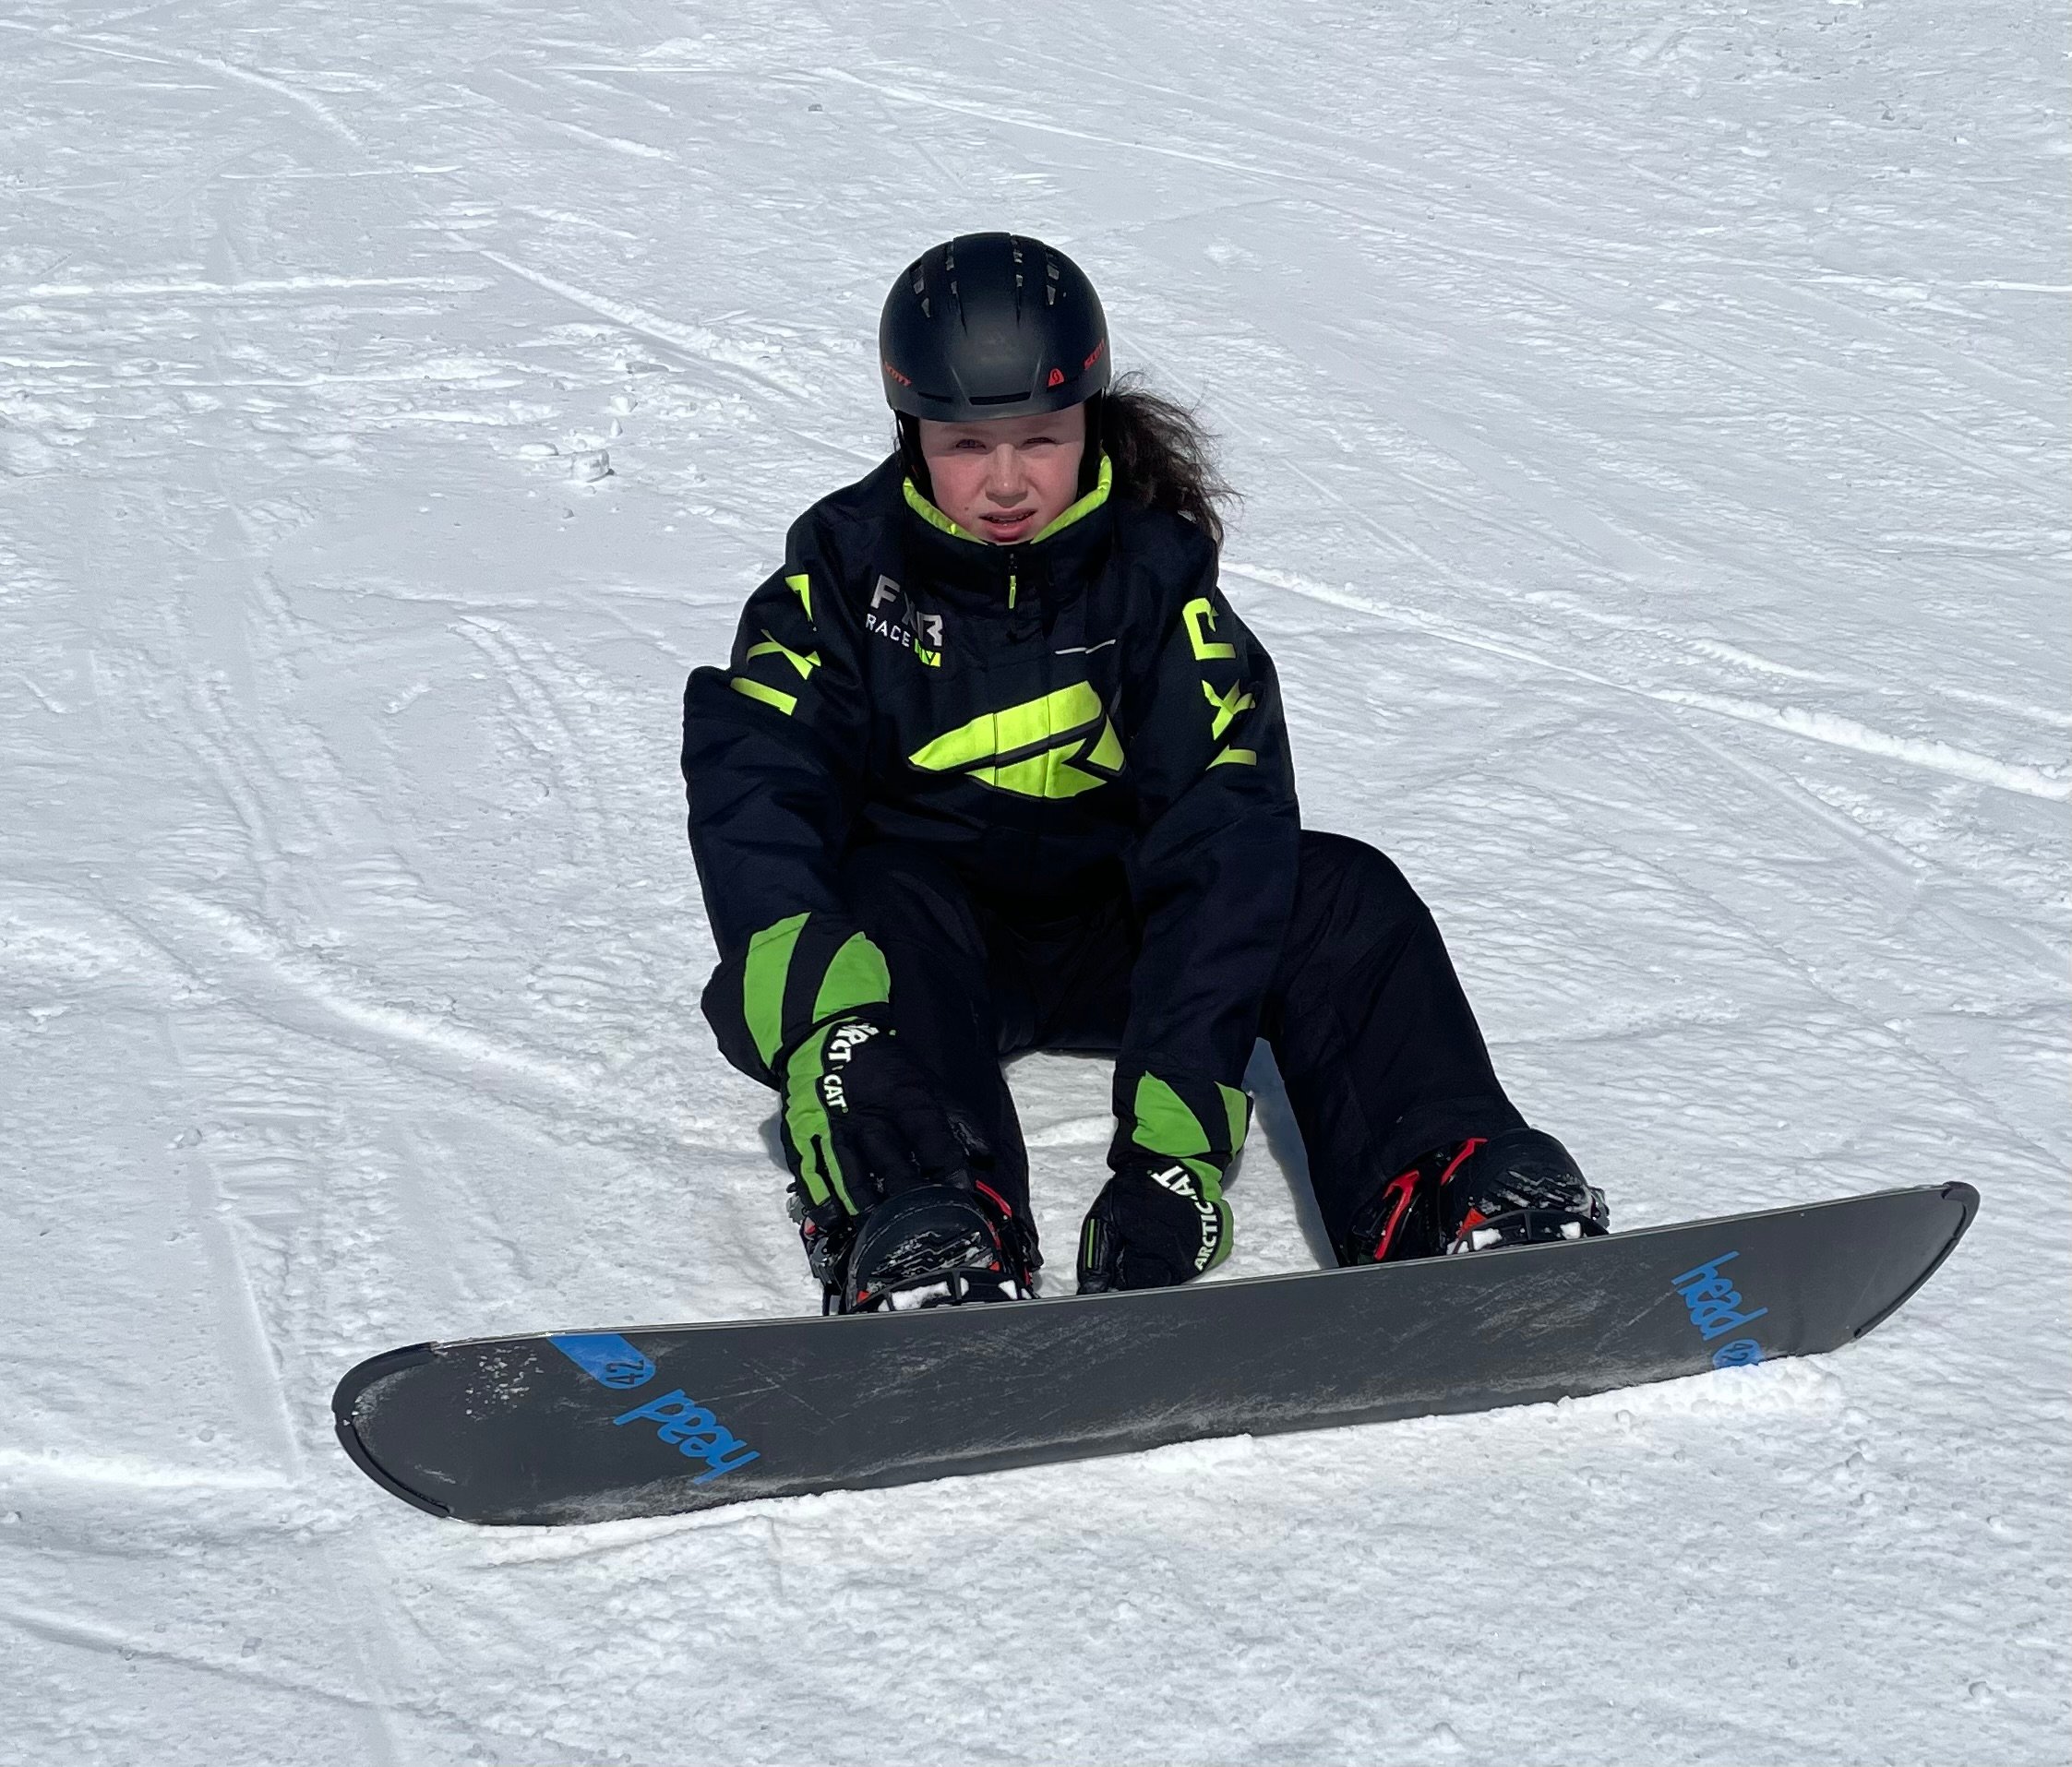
1039 796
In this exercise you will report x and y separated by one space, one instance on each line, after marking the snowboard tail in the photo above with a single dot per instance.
597 1425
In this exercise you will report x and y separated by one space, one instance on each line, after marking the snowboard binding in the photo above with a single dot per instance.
932 1244
1520 1187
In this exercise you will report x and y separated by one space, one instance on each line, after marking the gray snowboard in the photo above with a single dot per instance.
652 1420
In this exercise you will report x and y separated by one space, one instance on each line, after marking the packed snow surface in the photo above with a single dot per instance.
1652 417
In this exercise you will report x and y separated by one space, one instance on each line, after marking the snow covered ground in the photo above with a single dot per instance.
1654 419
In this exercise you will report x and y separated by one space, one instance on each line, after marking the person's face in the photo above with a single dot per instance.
1009 478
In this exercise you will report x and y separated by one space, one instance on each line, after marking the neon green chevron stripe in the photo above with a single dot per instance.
787 703
993 733
1050 774
805 664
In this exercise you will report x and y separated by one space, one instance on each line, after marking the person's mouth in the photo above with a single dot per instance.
1008 524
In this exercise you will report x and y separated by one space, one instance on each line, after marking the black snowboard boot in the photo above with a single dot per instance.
1516 1189
935 1245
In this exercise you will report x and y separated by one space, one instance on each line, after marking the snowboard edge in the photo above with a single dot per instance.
345 1399
1966 1197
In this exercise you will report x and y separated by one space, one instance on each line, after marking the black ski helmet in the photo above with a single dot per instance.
991 325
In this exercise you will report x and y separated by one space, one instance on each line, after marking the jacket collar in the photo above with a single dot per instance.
1033 576
1085 507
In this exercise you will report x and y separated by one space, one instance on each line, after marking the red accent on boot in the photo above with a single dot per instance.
1402 1189
1454 1164
1475 1217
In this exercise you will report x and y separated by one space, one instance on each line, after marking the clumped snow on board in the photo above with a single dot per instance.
1653 419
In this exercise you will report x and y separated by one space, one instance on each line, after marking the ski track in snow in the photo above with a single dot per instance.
1654 438
1812 723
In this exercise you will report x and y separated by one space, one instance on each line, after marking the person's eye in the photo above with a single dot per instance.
971 445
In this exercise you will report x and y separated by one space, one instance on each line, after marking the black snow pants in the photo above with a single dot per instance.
1374 1037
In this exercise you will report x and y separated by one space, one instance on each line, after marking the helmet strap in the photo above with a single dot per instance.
910 454
1090 461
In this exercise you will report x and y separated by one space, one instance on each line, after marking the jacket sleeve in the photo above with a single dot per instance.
1212 879
772 745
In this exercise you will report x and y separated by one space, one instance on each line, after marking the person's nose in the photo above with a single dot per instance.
1005 482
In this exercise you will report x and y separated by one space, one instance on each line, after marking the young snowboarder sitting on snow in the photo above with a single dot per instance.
995 768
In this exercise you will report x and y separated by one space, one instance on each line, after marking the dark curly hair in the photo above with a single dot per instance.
1162 455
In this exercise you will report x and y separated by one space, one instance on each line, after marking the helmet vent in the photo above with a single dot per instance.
971 342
